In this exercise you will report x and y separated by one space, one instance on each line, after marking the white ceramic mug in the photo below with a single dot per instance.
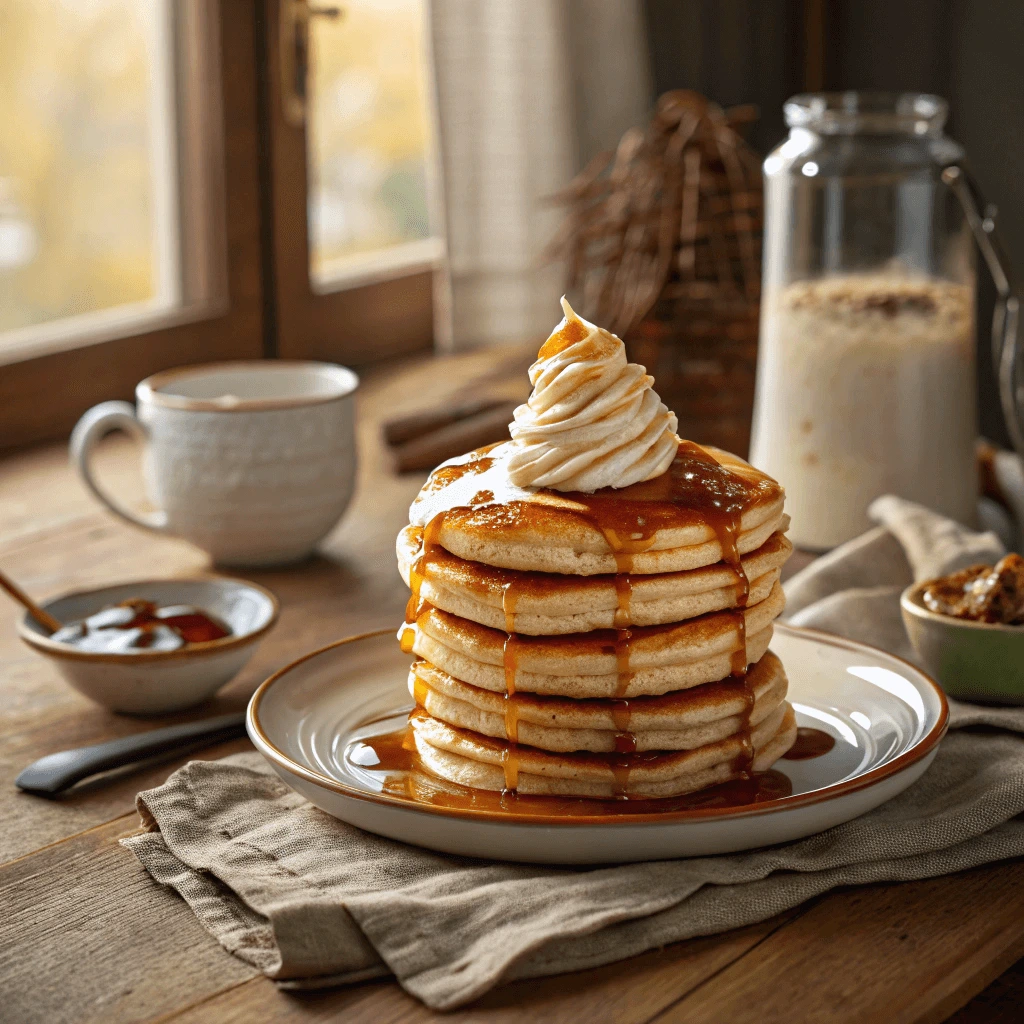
252 461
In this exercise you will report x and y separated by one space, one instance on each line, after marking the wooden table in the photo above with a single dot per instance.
906 952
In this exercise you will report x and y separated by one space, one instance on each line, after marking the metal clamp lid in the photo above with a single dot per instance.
1006 317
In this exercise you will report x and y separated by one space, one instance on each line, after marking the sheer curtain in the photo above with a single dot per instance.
527 91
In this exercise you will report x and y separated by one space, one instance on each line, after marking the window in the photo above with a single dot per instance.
370 140
353 169
158 207
88 167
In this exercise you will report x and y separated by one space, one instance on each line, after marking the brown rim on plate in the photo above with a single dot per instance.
920 750
56 649
148 390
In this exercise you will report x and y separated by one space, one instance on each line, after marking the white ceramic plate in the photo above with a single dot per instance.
886 716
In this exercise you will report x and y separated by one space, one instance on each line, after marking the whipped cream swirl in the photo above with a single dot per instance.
593 419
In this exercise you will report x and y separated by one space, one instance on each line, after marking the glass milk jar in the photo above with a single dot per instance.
865 377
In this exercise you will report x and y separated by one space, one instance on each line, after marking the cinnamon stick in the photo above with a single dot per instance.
415 425
455 438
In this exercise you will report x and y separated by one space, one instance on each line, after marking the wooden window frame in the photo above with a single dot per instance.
246 286
392 305
41 396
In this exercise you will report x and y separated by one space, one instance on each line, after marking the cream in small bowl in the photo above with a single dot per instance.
150 680
946 621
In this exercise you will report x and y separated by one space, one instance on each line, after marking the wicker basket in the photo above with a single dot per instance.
664 239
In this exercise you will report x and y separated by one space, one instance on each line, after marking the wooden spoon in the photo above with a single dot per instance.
43 617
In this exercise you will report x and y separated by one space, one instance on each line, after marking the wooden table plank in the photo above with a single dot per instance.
630 992
27 480
906 953
1000 1003
54 538
89 936
323 602
31 822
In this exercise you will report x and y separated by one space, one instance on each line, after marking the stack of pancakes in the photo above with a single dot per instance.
602 645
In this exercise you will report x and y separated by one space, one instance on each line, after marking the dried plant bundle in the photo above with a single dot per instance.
662 241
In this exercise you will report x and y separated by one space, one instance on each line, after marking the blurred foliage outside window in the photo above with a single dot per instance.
88 189
370 133
88 163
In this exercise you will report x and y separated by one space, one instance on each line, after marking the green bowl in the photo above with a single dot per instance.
979 661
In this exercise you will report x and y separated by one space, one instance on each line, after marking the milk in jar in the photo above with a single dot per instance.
866 387
865 373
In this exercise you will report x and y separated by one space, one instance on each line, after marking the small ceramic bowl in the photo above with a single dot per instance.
977 661
151 682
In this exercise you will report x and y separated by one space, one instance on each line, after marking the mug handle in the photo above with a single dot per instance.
99 421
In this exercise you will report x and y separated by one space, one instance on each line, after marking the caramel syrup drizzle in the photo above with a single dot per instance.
510 766
420 690
623 632
625 744
745 759
418 573
509 603
417 576
407 639
623 549
696 489
728 535
619 763
623 595
727 525
404 777
624 676
625 741
620 776
510 755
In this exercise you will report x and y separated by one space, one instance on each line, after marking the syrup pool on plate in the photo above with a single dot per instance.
388 758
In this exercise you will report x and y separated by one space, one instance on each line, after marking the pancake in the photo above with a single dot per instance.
709 506
647 660
679 721
479 762
516 541
593 600
544 604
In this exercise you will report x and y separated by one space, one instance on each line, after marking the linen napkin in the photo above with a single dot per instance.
312 901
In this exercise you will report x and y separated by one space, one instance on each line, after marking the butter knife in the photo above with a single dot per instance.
57 772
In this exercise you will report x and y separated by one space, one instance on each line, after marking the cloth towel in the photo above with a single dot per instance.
312 901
